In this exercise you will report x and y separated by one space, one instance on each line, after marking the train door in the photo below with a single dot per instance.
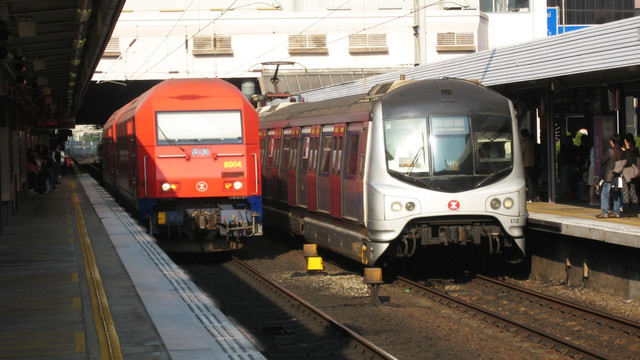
312 170
283 172
335 176
323 189
293 165
353 170
273 156
303 167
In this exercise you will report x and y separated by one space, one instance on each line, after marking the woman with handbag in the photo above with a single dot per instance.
630 174
609 192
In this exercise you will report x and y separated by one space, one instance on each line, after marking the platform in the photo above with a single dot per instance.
601 254
580 221
79 279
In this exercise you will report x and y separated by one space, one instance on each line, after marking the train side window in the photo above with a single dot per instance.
294 153
272 145
286 153
363 146
306 153
352 155
263 150
327 142
336 159
276 153
315 144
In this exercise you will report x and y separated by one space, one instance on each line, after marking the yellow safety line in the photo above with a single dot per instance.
106 331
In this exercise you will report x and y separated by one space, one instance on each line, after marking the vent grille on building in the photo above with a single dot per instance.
451 41
212 45
308 44
368 43
113 48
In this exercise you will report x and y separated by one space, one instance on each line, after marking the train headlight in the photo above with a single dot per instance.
495 203
396 206
410 206
237 185
169 186
508 203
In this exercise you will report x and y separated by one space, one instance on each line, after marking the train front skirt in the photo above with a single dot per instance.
219 228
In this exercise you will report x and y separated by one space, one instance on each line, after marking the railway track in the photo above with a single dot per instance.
573 330
284 325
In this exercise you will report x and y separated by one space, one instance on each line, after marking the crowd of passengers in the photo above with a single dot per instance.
44 167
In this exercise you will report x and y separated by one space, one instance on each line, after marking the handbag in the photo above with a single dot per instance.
630 172
619 165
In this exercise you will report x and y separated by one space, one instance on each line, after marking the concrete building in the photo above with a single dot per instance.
315 43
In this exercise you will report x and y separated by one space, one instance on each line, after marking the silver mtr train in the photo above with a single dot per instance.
407 167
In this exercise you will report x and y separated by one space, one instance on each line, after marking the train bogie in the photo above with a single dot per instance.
407 166
184 156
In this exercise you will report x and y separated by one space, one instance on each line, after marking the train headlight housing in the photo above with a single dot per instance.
495 203
166 186
410 206
236 185
508 203
396 207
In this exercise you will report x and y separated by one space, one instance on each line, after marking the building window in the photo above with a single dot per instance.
492 6
308 44
212 45
587 12
368 43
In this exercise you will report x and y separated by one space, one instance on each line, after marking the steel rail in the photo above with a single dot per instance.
363 342
562 345
614 322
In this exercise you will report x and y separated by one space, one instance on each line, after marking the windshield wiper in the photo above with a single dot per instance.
415 158
493 176
172 141
409 178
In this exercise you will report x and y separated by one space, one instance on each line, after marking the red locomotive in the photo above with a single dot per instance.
184 156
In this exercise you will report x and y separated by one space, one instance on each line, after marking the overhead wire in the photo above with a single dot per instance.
244 65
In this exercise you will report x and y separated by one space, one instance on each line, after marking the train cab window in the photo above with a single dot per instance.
450 145
493 143
406 145
352 155
199 127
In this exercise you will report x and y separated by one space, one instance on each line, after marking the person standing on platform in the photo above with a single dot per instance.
629 191
529 163
56 157
609 158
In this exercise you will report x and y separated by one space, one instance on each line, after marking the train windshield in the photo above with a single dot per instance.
199 127
473 147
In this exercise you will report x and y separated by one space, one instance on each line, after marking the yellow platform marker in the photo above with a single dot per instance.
314 262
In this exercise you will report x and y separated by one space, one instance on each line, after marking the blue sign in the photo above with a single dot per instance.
552 21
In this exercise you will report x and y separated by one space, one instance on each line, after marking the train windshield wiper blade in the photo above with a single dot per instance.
410 178
171 141
493 176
